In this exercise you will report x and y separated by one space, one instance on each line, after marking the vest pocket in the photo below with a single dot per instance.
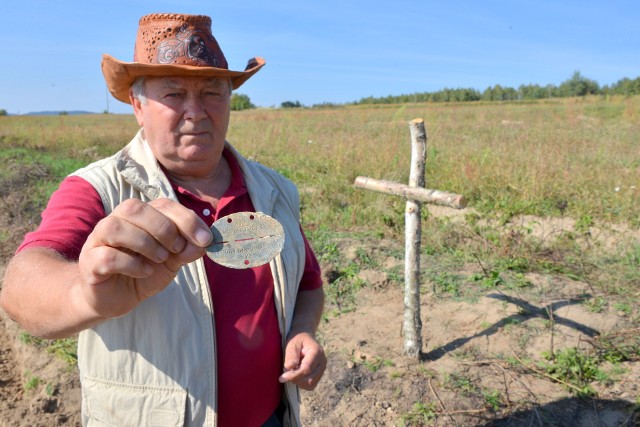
111 404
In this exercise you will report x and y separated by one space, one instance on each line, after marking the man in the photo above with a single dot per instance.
167 336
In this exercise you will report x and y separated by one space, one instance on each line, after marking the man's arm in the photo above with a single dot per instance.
304 359
42 291
131 255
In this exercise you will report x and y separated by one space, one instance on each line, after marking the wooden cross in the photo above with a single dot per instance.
415 193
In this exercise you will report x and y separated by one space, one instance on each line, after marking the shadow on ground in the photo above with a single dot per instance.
574 412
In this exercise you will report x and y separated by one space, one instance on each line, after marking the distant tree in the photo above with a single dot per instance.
326 105
63 113
290 104
533 91
579 85
3 112
625 86
240 102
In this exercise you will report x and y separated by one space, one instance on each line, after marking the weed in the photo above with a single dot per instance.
619 346
623 307
492 398
595 305
446 282
420 414
583 224
324 246
65 349
373 364
32 382
573 367
377 363
488 280
461 383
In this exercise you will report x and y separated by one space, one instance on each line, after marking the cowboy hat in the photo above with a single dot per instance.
170 44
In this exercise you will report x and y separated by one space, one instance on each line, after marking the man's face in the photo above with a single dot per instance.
185 121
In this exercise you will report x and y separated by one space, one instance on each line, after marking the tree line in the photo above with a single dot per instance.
577 85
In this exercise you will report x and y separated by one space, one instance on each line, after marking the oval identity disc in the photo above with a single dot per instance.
245 239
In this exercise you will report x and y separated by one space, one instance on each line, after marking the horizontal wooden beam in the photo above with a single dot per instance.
426 195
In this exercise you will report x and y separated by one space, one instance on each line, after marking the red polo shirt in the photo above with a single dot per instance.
247 333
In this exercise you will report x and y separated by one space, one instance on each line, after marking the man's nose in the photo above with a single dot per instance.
194 108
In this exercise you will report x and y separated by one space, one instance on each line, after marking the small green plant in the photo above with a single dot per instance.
420 414
364 259
65 349
619 347
488 280
623 307
377 363
374 364
519 281
447 283
396 374
492 398
583 224
32 382
595 305
461 383
325 248
573 368
26 338
49 389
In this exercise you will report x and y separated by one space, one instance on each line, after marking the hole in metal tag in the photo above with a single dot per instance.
245 239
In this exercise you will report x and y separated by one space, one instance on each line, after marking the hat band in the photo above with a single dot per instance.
187 48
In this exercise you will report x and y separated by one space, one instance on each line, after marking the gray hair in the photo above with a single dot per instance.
137 89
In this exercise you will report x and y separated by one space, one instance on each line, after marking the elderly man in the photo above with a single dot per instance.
168 337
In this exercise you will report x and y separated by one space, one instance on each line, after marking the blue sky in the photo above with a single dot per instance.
324 51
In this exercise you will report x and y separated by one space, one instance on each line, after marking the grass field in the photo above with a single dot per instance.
573 162
575 157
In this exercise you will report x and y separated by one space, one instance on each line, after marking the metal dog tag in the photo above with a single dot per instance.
245 239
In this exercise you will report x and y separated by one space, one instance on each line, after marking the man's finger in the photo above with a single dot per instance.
187 222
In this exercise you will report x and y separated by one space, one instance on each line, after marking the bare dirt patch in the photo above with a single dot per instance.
36 388
468 365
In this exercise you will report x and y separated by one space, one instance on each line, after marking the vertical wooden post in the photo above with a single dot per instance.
412 325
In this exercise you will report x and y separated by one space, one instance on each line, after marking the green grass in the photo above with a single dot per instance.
554 157
421 414
565 158
65 349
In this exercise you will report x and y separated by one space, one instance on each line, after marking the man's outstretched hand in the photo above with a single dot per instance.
304 361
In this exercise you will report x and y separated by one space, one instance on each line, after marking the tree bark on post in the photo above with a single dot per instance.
426 195
412 325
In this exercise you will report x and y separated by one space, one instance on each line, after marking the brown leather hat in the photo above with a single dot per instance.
170 44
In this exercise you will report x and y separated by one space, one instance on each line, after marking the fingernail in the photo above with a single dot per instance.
162 254
148 270
178 246
203 236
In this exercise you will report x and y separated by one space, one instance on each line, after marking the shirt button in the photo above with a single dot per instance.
206 212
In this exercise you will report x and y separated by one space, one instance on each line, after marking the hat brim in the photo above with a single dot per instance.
120 75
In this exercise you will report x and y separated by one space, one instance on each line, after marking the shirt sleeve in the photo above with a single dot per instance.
73 211
75 208
312 276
